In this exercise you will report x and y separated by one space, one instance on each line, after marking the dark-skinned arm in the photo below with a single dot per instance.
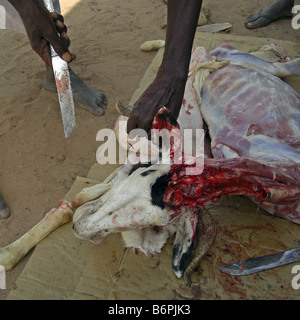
42 28
168 87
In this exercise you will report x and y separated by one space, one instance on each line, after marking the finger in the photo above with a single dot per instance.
69 57
65 39
61 48
131 123
137 120
60 17
44 52
60 27
57 16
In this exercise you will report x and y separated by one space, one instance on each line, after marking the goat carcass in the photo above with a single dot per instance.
252 149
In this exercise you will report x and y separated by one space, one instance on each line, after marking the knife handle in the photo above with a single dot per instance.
49 5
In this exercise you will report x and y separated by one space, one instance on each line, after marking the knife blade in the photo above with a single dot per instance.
253 265
63 85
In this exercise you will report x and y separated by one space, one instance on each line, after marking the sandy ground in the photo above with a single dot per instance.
37 164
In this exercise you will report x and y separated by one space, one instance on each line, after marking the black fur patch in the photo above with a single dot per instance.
139 165
146 173
158 190
185 258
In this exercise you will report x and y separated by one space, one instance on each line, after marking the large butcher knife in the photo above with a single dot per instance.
63 85
253 265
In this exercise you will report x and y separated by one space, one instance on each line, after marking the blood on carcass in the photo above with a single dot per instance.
252 119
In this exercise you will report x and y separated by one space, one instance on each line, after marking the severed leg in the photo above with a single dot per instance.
238 57
11 254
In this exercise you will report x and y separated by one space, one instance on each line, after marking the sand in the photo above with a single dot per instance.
37 164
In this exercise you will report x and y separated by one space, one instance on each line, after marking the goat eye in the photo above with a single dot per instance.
146 173
139 165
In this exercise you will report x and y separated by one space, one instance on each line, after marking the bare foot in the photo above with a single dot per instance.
281 9
87 97
4 211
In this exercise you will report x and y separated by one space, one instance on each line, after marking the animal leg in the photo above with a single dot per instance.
11 254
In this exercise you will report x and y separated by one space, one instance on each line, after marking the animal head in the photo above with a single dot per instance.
134 206
135 200
134 203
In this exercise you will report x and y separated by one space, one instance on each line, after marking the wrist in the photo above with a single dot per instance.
176 71
25 6
18 4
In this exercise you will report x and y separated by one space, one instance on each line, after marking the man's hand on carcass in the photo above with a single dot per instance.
165 91
168 87
43 28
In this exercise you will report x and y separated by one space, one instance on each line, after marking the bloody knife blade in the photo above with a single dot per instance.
253 265
63 85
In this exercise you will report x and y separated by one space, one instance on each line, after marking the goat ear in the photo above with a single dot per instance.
204 237
93 192
90 193
184 242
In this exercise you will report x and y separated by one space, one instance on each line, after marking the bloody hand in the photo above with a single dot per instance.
166 90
